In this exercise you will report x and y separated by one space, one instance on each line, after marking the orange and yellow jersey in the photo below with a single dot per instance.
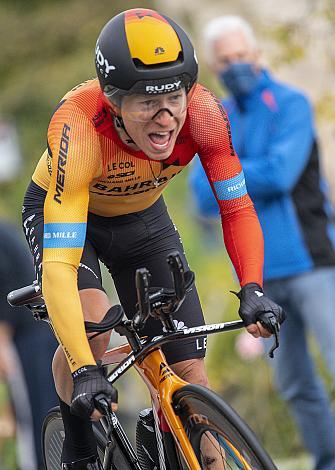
88 168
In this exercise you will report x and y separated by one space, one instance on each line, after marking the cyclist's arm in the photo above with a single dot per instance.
201 191
241 229
275 172
289 148
72 144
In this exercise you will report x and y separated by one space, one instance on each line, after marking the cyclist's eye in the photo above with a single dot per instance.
175 98
148 103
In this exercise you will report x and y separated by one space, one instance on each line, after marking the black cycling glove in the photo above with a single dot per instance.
254 306
88 382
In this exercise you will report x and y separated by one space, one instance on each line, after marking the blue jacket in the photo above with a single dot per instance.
274 136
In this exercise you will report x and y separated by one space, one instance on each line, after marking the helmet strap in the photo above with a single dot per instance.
119 122
120 125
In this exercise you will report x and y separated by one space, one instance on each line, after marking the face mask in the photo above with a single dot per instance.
239 78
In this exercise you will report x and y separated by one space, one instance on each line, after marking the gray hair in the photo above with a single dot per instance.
223 25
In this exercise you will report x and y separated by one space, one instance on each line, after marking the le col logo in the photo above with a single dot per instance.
105 68
162 88
79 371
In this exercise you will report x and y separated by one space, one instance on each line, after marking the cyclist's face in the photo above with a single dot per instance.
154 122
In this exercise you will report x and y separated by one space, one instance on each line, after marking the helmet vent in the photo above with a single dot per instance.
141 66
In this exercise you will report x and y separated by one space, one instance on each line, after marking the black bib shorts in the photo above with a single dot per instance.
125 243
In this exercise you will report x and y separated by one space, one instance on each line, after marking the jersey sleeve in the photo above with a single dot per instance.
210 129
74 152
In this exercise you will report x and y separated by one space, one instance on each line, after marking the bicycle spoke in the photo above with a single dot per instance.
212 455
216 454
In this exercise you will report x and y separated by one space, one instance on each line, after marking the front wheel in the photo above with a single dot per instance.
219 437
53 438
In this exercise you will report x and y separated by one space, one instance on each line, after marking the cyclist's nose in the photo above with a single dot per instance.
163 116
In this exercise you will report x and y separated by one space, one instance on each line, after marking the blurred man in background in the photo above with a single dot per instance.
26 348
273 133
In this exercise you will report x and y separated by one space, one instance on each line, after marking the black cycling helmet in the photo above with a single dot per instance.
141 51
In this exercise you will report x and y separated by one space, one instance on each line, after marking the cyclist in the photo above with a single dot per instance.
114 144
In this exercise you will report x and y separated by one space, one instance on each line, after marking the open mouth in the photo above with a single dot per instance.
160 140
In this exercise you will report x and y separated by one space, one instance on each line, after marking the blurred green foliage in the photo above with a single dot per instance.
47 47
325 108
289 36
7 441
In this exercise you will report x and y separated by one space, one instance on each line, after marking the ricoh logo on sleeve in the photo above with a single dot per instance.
236 187
232 188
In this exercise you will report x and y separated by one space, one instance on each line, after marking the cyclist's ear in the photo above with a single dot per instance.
115 109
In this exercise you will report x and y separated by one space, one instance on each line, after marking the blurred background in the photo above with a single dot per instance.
47 47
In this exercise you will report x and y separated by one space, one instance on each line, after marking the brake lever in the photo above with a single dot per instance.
272 325
101 404
275 342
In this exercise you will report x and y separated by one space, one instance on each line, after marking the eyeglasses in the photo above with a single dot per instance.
143 108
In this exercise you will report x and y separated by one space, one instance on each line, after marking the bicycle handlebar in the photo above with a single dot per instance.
178 274
142 282
161 302
269 321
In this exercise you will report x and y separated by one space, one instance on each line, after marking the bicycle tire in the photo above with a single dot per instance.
210 422
53 437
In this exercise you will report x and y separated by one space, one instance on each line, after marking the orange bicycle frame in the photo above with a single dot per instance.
162 383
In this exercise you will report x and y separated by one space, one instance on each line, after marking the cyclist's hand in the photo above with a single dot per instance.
254 304
89 381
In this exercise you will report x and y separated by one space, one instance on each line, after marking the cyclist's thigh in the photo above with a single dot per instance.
145 239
